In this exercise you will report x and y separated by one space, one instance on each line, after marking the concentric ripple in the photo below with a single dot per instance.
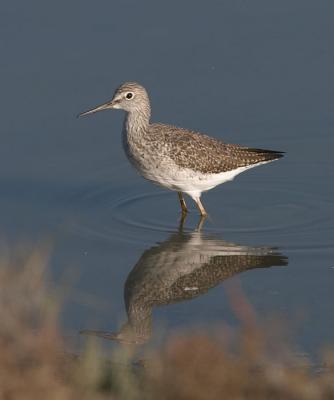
281 216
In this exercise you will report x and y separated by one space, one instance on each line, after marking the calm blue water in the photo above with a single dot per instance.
257 73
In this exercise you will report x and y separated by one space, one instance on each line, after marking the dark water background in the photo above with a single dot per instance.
257 73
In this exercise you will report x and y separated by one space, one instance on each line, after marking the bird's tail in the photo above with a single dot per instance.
266 155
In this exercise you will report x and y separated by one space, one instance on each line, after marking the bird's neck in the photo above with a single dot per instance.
137 122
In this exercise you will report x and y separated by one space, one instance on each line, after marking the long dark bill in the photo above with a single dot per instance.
101 107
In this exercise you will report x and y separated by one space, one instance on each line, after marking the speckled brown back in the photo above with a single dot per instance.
204 154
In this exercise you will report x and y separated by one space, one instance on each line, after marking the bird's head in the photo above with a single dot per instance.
129 97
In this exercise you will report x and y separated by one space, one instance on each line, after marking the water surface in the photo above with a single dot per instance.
258 74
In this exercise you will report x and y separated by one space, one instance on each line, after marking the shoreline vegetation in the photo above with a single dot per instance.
255 362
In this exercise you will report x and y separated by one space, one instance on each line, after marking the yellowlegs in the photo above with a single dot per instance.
176 158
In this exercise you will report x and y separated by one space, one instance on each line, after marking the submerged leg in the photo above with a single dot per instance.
181 223
183 203
200 207
201 223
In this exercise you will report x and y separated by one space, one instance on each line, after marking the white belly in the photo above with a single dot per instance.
188 181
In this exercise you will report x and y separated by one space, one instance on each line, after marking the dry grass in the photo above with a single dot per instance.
201 367
33 364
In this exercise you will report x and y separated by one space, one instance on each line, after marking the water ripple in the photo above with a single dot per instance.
294 219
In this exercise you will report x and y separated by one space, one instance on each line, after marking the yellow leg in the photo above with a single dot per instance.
183 203
201 208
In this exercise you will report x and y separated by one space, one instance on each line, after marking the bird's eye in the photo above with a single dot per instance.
129 95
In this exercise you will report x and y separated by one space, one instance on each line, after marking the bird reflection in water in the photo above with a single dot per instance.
184 266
